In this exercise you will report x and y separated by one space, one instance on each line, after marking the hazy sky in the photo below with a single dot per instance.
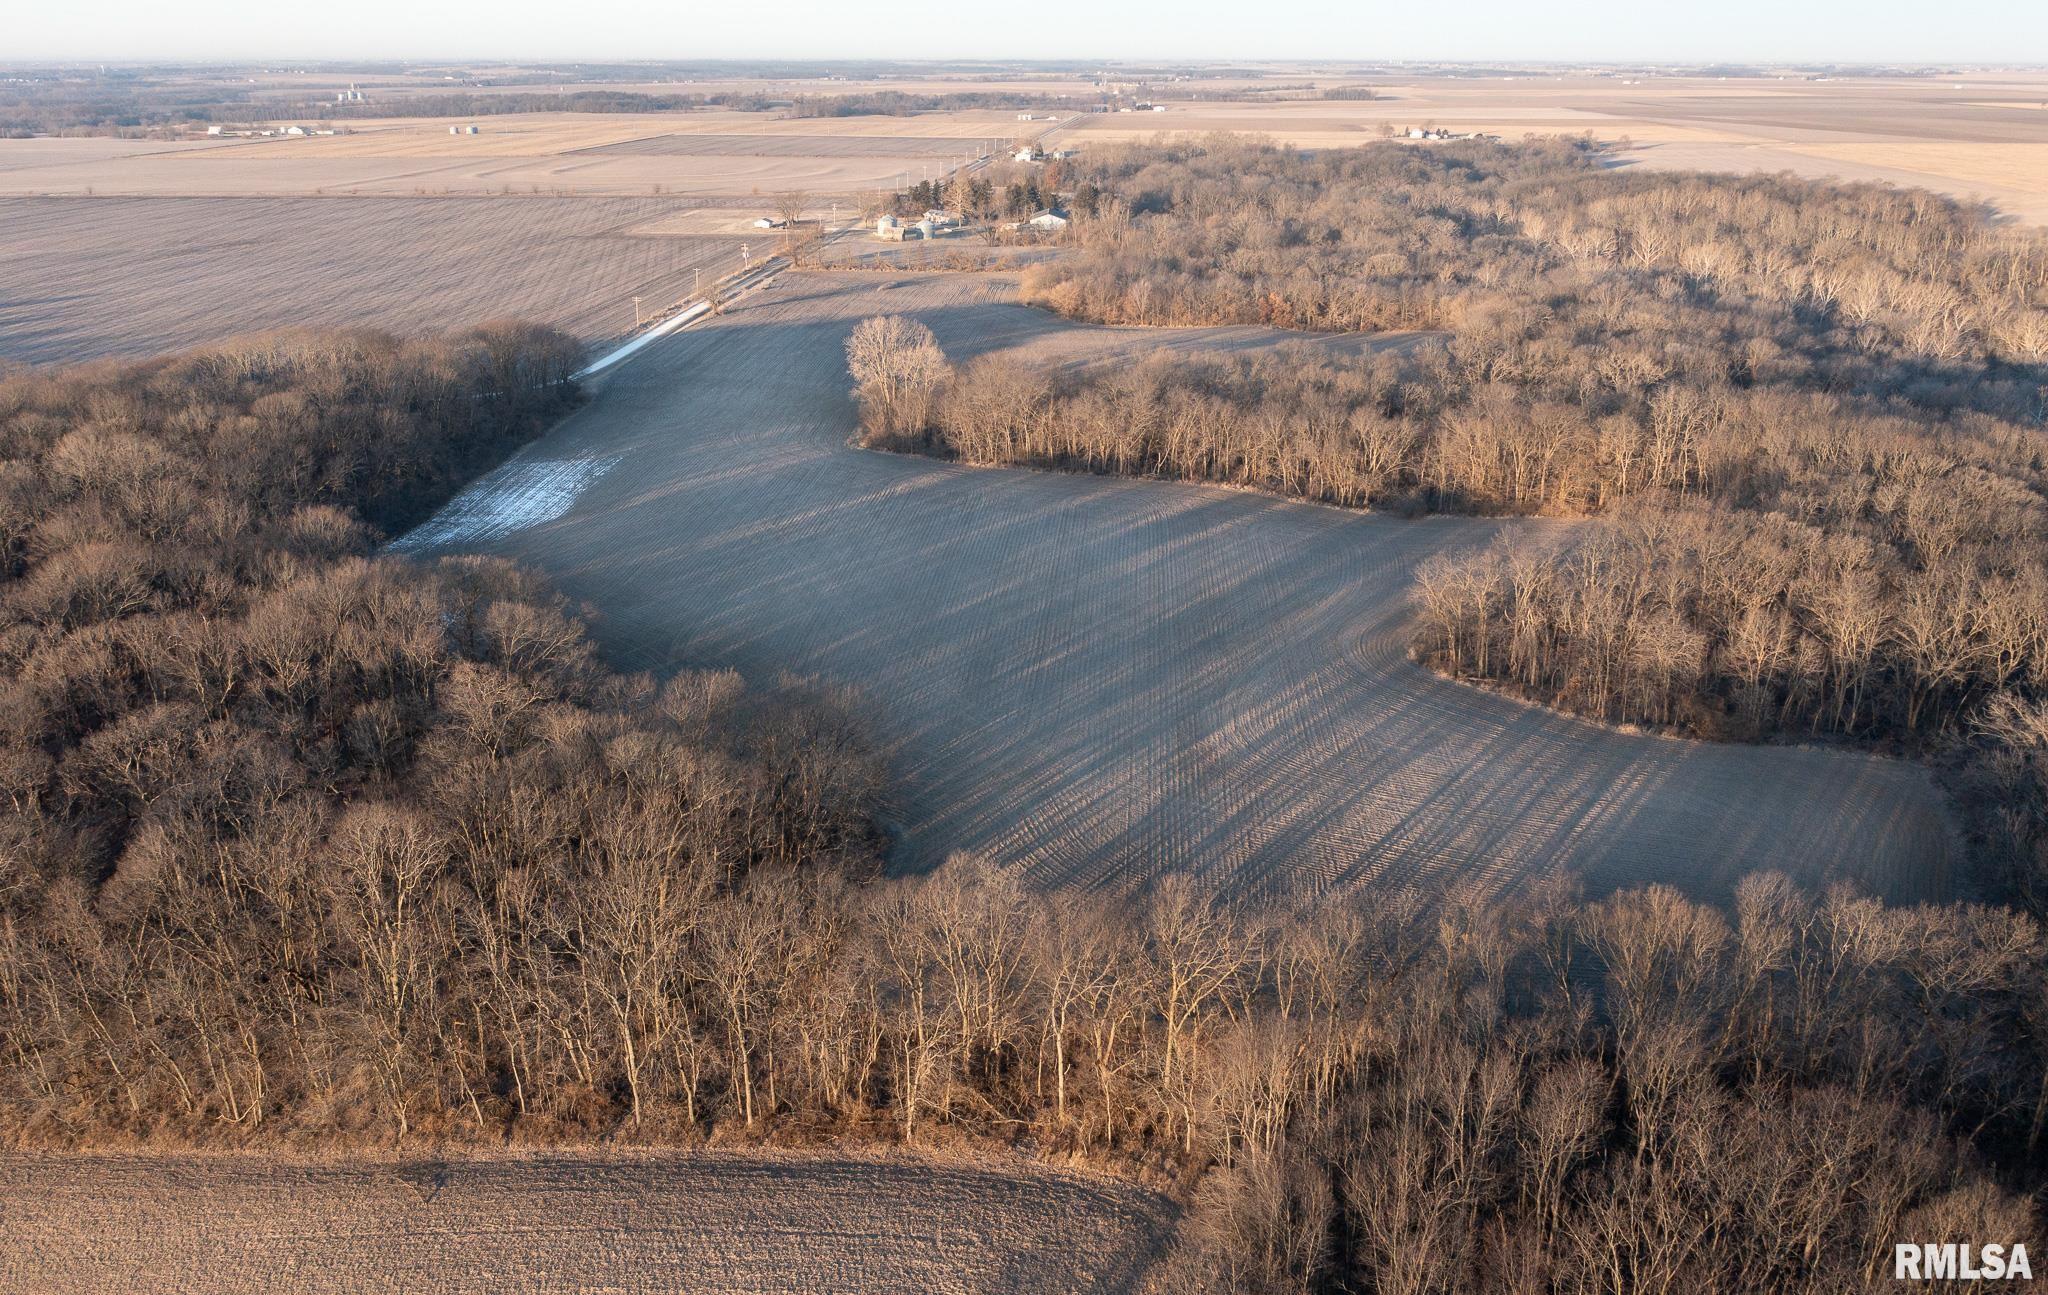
2006 31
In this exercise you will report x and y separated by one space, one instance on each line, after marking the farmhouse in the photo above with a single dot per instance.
1049 220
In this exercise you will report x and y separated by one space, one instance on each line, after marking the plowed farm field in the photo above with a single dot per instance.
82 278
682 145
1105 679
590 155
703 1223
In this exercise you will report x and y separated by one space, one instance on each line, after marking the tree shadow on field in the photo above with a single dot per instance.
423 1180
1102 678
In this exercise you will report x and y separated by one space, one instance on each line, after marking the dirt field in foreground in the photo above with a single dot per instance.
1107 679
700 1223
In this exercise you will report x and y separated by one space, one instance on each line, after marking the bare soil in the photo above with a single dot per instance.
727 154
612 1223
1109 679
82 278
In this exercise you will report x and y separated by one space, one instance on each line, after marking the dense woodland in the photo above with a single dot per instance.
1807 419
241 758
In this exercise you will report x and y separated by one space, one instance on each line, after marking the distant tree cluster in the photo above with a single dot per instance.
899 103
53 104
1012 190
1818 405
145 105
492 105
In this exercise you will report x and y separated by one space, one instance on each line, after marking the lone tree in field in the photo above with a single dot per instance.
897 370
790 206
789 209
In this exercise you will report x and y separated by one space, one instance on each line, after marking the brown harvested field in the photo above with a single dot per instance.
83 278
594 154
704 1223
1110 679
32 154
1978 135
693 145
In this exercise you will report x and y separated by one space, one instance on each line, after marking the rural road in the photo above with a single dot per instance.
1108 679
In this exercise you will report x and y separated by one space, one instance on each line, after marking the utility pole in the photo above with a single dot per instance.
697 285
746 257
636 312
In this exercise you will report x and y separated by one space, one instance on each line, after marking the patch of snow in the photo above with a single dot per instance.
517 495
663 329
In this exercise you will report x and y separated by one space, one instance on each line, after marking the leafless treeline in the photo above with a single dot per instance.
1813 414
1637 1094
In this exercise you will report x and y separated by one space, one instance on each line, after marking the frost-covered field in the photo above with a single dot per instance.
1107 679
